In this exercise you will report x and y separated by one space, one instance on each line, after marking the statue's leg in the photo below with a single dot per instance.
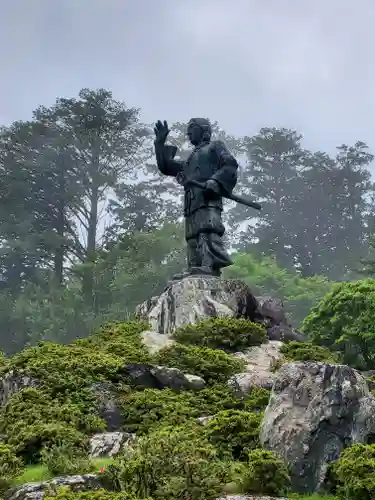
211 249
192 253
213 252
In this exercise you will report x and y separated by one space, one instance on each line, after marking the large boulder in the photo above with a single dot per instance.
196 298
12 383
110 444
106 398
161 377
315 411
260 361
37 491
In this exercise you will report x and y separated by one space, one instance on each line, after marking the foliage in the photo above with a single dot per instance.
222 333
304 351
355 472
344 321
61 458
234 433
211 364
68 494
62 410
265 277
315 207
10 466
146 410
66 368
195 471
266 474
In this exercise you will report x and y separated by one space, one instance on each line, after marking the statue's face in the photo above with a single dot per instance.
195 133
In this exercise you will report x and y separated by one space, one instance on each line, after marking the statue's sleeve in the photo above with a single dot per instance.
165 160
226 175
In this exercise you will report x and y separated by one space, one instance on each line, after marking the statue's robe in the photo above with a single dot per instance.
204 229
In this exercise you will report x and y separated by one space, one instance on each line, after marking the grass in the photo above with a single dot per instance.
39 473
296 496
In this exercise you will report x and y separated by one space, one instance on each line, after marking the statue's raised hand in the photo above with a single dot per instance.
161 131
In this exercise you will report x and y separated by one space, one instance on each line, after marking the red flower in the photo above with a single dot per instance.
102 469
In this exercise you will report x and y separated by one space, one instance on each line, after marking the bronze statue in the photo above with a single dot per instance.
208 175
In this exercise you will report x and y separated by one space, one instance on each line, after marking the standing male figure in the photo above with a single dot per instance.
212 165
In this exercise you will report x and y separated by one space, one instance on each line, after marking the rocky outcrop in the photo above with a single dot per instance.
37 491
13 383
161 377
155 341
315 411
110 444
260 361
194 299
271 313
108 409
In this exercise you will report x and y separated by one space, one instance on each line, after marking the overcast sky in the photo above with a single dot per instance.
308 65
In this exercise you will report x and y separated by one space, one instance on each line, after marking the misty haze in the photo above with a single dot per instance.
187 257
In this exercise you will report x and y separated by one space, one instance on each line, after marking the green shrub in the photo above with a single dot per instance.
170 464
10 467
32 419
211 364
68 494
222 333
233 433
64 459
305 351
257 400
344 321
29 440
143 411
266 474
355 473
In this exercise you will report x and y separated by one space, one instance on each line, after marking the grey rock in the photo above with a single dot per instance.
37 491
110 444
160 377
243 383
155 341
196 298
204 420
260 361
108 408
315 411
12 383
271 313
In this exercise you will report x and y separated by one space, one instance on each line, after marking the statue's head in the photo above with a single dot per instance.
199 130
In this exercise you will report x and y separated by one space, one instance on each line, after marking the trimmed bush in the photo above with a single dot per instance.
63 459
344 321
305 351
355 473
227 334
10 467
266 474
211 364
233 433
32 420
143 411
170 464
257 400
67 368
